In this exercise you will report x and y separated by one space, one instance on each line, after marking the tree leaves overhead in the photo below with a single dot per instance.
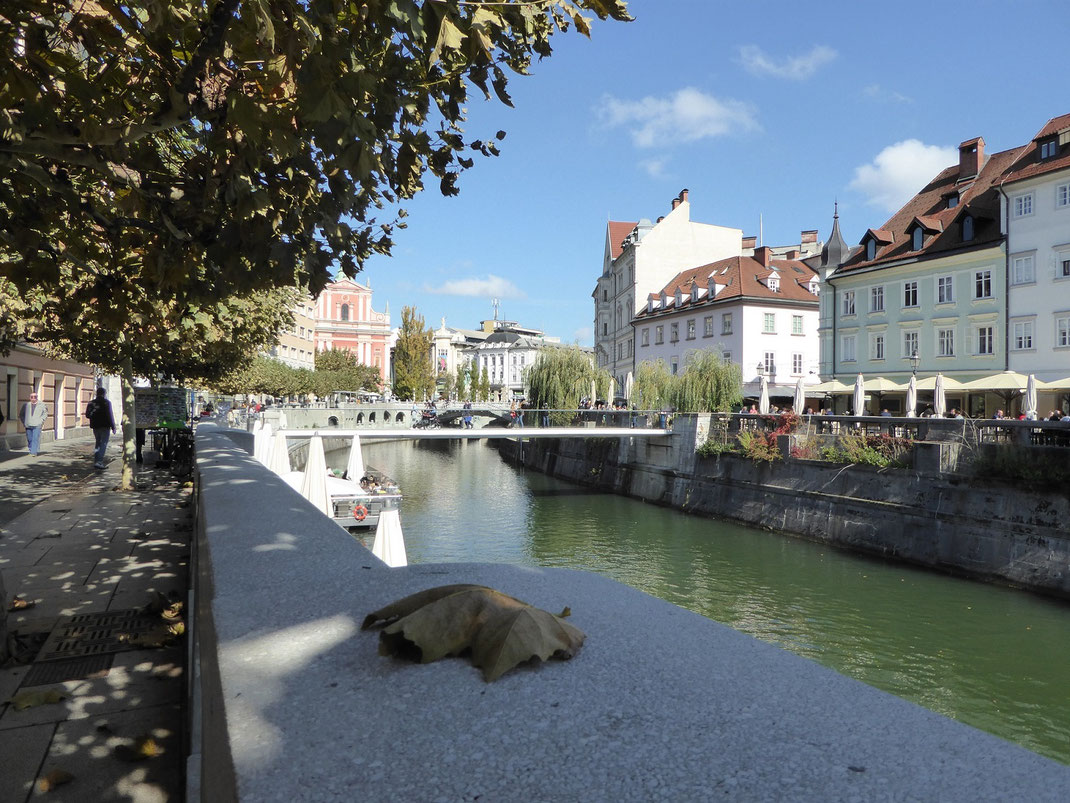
499 631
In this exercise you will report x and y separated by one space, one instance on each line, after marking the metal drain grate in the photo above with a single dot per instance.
91 634
68 669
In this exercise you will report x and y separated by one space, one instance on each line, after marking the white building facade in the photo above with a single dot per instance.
758 312
641 257
1035 206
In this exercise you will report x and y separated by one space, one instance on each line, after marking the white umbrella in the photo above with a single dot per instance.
800 397
594 391
355 466
1031 397
314 483
912 396
389 544
859 396
939 403
629 382
280 456
763 397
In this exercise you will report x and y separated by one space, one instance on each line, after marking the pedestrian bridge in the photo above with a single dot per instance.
527 433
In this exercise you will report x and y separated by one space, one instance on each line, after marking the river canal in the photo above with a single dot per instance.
992 657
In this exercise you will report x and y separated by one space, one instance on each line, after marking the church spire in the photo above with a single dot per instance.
836 250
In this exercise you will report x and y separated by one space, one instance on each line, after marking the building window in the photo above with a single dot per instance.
707 326
726 356
945 291
674 332
726 323
605 294
1062 196
871 249
1023 205
967 228
605 329
1022 335
774 284
796 324
691 329
1064 267
876 347
814 289
1062 331
848 349
675 366
910 344
645 337
344 312
945 342
985 340
1048 149
910 294
848 305
770 363
982 284
1022 271
769 323
952 200
918 239
876 298
797 364
658 335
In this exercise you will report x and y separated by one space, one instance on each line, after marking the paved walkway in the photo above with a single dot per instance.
91 559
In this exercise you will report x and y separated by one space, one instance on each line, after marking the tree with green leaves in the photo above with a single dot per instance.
560 377
707 384
484 385
414 376
462 382
346 372
164 162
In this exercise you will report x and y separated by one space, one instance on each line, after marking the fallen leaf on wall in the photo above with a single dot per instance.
499 631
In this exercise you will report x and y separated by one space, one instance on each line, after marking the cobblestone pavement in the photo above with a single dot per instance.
101 569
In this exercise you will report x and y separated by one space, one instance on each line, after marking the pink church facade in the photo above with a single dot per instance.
345 320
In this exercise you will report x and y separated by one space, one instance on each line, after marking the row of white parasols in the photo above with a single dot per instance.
315 484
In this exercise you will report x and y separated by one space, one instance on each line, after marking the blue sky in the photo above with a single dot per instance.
763 110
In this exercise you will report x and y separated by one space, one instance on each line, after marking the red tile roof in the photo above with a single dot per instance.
741 275
977 197
617 231
1029 165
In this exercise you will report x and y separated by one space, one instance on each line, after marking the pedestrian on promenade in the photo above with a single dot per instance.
102 422
32 416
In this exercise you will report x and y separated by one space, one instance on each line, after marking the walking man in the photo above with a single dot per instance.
103 424
32 416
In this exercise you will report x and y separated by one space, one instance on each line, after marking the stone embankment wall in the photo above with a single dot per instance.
989 531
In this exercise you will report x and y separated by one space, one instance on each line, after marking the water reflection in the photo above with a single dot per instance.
992 657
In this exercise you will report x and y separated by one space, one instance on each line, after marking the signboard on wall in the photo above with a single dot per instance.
160 407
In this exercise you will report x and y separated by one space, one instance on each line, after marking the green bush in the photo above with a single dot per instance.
882 451
759 446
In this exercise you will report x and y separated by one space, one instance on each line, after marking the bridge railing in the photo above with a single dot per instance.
541 417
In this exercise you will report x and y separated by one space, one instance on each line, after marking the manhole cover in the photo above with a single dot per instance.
88 634
68 669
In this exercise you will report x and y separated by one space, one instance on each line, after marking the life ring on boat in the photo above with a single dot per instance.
360 512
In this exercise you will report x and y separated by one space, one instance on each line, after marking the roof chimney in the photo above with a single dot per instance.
749 243
792 254
675 202
683 195
971 157
808 237
764 255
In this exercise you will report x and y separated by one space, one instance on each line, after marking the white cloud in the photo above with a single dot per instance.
881 95
583 334
655 168
899 172
490 286
795 68
685 116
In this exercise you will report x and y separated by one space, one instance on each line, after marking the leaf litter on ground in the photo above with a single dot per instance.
499 631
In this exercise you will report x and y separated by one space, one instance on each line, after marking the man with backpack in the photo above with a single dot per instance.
102 422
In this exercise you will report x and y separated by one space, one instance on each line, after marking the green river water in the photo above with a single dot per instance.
996 658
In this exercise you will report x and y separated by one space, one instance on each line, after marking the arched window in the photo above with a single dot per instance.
967 228
344 312
919 239
871 249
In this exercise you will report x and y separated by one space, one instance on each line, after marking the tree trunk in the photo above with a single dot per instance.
129 431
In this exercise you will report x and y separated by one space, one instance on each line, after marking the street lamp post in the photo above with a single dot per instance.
914 360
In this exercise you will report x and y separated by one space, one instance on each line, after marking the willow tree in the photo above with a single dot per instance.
560 377
707 384
158 158
653 385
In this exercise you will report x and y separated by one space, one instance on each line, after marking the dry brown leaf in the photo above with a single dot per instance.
55 778
500 631
143 748
32 699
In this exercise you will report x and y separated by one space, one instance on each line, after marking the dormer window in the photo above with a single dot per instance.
679 298
814 289
1048 149
967 228
952 200
694 293
774 284
918 239
871 249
